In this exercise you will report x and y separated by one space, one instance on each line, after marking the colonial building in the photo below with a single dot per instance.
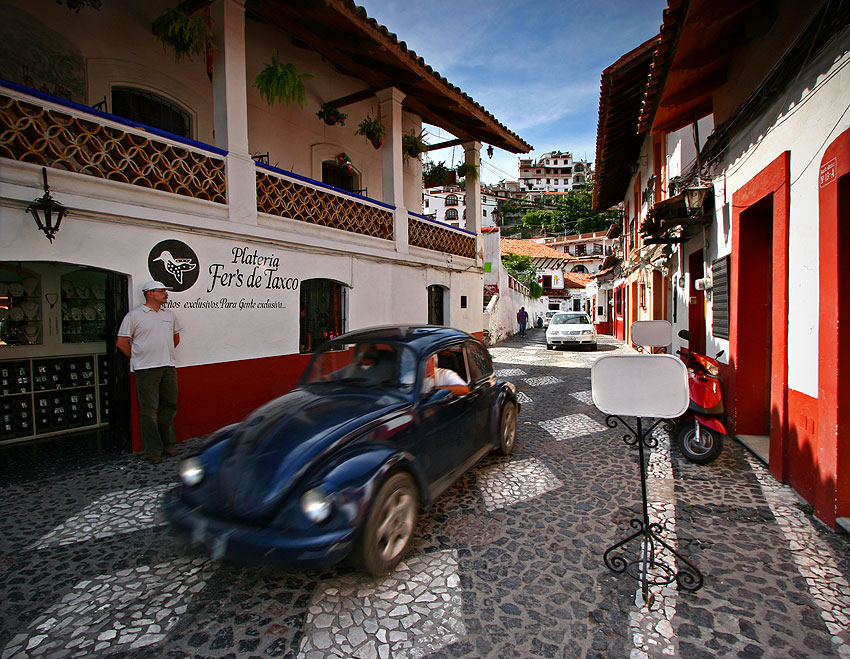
555 173
727 139
275 223
447 203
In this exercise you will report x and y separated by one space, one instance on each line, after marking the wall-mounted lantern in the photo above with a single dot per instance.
46 211
695 198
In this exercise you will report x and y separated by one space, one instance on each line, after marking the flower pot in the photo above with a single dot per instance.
378 143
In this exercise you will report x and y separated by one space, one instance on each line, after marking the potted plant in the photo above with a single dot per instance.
373 129
281 82
331 115
188 34
468 171
412 145
437 174
344 163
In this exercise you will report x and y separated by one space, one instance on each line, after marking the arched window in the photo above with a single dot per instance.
579 268
321 313
451 200
451 214
151 110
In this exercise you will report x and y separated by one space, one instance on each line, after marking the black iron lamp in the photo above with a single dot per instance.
489 150
46 211
695 198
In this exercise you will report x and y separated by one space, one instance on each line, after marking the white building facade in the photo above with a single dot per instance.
555 173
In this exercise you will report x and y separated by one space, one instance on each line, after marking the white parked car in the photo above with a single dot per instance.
570 328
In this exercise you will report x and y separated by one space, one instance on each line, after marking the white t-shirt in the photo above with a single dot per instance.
151 335
443 377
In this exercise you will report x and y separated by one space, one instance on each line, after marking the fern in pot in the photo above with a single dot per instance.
187 34
373 129
468 171
282 82
412 145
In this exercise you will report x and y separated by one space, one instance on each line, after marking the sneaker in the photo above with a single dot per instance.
154 459
171 452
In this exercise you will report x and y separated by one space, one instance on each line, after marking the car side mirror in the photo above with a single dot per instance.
685 334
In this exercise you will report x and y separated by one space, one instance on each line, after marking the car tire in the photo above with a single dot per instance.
507 428
706 450
549 346
593 346
389 525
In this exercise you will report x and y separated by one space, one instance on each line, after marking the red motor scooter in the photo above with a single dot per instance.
700 431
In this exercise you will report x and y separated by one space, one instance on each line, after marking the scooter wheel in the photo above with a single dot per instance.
703 450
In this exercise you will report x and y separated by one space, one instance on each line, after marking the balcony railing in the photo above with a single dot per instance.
287 195
52 132
66 138
430 234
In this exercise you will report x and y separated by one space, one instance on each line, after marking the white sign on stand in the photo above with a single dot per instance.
640 385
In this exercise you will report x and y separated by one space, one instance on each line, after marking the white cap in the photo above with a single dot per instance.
154 285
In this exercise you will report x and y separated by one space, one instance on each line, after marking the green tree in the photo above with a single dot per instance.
568 213
522 268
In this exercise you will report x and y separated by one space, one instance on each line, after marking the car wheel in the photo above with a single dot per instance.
507 429
389 525
593 346
703 450
549 346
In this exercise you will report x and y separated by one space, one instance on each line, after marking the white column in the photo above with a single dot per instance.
472 151
231 109
393 164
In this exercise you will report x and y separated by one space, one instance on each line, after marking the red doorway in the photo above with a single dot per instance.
757 394
832 444
696 304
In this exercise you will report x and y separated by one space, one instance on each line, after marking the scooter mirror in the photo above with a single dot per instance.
719 354
685 334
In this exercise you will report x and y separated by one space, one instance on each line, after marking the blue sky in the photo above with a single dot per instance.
535 65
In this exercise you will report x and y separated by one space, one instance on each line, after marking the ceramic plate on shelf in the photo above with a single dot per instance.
89 312
16 289
98 291
68 289
82 292
16 313
76 313
30 285
30 309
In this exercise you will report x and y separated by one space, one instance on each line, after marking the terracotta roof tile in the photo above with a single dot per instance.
532 249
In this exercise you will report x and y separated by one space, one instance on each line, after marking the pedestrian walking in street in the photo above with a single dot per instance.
148 336
522 319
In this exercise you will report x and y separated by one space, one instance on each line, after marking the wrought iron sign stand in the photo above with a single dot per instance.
644 387
647 568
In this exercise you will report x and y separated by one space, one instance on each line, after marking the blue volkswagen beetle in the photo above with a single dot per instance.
383 421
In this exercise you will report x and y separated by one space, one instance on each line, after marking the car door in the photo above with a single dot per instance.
447 427
483 394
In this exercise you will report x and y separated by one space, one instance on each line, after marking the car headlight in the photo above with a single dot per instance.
316 505
587 331
192 471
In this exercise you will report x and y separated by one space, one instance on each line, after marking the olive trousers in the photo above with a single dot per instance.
156 389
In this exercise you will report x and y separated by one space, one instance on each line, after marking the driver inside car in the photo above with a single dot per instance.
443 378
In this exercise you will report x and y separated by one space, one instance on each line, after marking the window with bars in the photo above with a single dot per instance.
720 295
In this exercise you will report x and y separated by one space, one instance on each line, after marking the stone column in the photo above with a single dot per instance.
231 108
393 163
472 151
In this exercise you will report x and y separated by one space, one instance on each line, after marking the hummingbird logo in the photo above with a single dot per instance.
176 267
175 263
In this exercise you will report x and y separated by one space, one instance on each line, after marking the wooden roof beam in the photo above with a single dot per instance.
356 97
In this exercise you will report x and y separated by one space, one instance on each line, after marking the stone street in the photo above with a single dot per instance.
507 564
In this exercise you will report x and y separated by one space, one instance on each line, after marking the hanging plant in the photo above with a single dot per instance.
373 129
437 174
331 115
344 163
281 82
187 34
412 145
468 171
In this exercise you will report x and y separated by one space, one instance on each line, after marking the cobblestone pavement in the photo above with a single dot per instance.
507 564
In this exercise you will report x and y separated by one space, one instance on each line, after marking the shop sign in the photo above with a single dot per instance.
246 279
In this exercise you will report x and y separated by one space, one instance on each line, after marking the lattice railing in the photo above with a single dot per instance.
54 138
422 233
286 198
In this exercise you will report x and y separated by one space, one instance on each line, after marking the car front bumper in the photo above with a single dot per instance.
250 544
577 339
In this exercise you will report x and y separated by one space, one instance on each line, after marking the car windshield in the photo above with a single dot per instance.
363 363
549 314
571 319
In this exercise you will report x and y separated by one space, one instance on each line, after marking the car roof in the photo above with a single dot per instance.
421 338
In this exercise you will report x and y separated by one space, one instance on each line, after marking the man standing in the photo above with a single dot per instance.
522 319
148 336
